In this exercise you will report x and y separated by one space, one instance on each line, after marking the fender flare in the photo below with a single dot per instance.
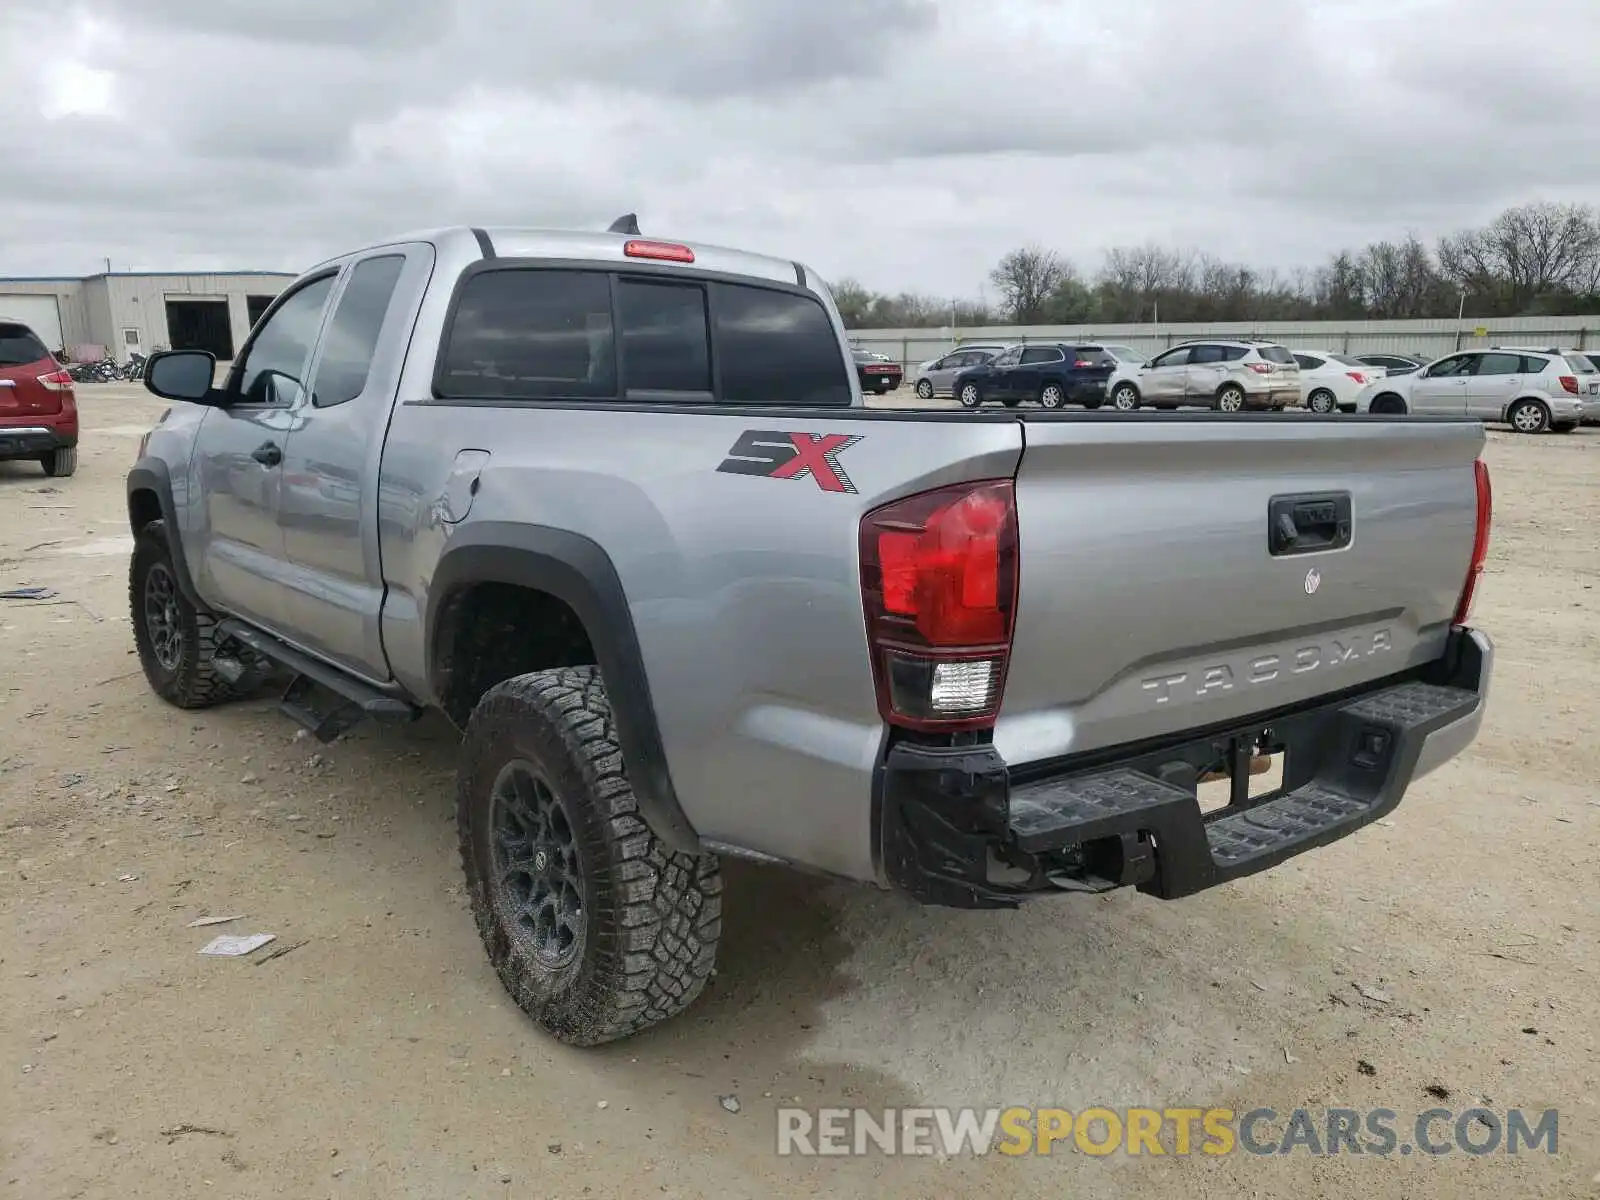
153 475
577 571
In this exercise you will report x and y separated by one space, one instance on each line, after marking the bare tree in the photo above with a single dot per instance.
1524 254
1026 278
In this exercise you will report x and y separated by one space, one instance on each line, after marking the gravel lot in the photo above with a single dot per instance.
381 1059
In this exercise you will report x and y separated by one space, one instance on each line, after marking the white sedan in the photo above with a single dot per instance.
1330 381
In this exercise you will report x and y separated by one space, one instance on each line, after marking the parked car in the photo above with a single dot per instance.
1394 364
937 376
613 504
1587 365
877 372
1530 391
1332 382
38 407
1222 375
1053 373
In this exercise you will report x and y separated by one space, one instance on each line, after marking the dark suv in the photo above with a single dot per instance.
1053 373
38 408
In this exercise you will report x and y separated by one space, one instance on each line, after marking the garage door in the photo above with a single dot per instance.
39 313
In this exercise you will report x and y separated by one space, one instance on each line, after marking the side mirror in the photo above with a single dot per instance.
182 375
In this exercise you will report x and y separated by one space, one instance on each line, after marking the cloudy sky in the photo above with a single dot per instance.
908 143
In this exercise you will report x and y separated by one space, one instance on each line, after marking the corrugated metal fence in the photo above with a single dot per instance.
1429 338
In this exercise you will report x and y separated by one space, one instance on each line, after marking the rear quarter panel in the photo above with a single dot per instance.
744 590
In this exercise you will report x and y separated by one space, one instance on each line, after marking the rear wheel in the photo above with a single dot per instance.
1230 398
1051 396
1529 416
596 929
1125 397
970 395
60 462
1322 401
924 389
1388 404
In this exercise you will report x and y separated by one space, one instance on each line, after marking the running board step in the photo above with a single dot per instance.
356 699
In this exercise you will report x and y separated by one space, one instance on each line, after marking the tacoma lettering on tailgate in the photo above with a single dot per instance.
1214 678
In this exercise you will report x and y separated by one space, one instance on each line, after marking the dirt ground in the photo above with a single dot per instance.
380 1058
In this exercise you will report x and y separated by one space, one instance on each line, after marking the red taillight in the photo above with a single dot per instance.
1260 368
57 381
669 251
1357 376
939 585
1480 543
1570 383
1083 364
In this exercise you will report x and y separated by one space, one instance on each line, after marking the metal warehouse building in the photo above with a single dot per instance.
126 312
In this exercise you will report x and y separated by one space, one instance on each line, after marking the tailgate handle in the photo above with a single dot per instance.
1308 524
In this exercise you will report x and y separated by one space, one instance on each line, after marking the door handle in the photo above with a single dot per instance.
267 454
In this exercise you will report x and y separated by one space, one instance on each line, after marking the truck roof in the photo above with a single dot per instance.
509 241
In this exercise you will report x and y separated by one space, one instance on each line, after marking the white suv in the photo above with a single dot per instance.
1530 390
1225 375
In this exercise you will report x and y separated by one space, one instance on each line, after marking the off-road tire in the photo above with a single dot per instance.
60 462
652 916
192 681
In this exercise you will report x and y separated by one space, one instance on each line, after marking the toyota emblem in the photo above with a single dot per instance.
1313 581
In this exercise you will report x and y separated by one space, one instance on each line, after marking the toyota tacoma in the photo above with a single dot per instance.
613 505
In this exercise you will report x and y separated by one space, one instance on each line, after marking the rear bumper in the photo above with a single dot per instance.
959 828
30 441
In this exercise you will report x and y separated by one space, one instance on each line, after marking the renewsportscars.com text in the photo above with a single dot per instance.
1101 1131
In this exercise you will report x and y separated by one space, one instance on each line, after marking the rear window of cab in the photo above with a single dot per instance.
574 335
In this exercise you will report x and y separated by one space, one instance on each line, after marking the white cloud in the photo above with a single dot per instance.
907 142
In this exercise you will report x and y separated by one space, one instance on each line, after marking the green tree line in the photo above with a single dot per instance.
1537 258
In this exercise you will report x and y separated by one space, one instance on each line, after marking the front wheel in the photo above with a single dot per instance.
1387 404
1322 401
1529 416
1230 398
176 641
596 928
924 390
1125 397
970 395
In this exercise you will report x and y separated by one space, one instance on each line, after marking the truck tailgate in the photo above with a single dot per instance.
1152 599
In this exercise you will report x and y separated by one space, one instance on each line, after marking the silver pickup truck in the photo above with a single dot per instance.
614 506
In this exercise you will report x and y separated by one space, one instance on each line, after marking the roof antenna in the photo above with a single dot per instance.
627 223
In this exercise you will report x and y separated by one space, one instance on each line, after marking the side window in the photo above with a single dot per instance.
1233 353
1452 368
1173 358
776 347
1500 364
1008 358
531 335
353 333
665 341
1535 366
274 366
1202 355
1307 363
1040 354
